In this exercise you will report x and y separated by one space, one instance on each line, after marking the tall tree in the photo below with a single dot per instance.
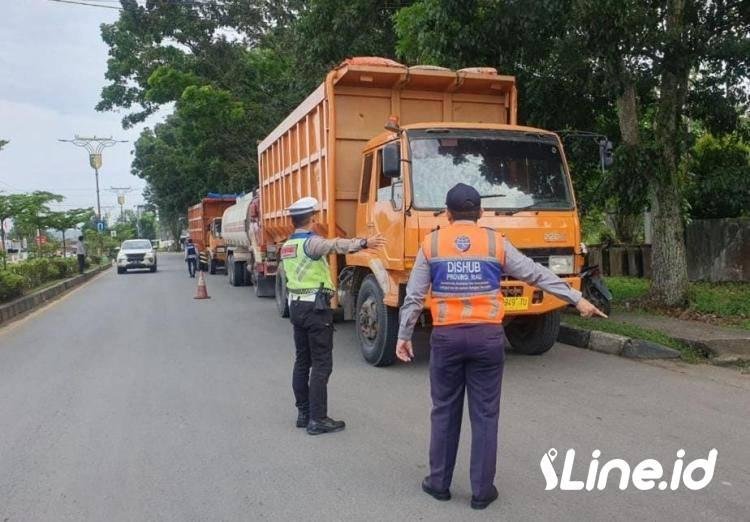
65 220
655 60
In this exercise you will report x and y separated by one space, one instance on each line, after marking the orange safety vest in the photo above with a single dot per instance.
466 263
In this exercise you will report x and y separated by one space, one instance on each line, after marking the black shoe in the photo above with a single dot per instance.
303 419
435 493
324 425
481 503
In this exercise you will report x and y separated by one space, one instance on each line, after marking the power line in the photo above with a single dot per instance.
86 3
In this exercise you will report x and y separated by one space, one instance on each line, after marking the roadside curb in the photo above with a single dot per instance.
34 300
614 344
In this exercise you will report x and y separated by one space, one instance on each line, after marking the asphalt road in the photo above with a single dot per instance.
128 400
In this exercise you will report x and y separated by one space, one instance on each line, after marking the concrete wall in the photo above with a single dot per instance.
718 249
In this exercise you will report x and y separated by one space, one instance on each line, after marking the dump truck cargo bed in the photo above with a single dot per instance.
316 150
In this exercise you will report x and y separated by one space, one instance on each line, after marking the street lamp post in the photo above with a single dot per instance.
94 146
121 191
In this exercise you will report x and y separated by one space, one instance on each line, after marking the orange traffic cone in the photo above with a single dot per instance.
202 292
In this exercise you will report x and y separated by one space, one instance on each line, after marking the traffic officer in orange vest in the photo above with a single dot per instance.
462 265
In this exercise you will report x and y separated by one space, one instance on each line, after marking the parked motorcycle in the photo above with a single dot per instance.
594 289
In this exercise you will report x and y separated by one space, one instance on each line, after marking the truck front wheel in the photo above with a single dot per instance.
376 324
535 334
282 297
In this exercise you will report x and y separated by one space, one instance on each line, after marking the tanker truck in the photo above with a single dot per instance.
379 144
240 232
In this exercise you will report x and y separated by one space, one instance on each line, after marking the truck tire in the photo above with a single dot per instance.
376 324
533 335
265 286
236 271
282 297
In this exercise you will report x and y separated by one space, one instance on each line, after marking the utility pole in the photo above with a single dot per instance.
94 146
121 191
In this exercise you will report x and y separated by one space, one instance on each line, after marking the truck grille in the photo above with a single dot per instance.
135 257
541 255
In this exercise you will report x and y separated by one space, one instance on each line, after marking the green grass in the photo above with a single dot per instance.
687 353
724 299
627 288
729 303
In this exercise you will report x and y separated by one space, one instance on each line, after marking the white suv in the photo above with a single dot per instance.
136 253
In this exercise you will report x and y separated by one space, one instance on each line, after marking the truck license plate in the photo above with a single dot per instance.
515 304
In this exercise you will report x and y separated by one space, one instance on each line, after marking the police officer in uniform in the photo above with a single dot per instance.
462 266
308 280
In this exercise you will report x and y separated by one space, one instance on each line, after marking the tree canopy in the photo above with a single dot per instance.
645 73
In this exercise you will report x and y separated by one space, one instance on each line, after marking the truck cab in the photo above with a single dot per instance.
527 195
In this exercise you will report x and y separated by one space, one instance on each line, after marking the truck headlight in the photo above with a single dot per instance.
561 264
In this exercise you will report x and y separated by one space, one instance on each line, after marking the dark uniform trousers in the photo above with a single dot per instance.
313 341
465 358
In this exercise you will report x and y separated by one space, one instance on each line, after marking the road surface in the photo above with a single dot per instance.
128 400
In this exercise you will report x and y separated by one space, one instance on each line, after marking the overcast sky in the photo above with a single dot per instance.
52 64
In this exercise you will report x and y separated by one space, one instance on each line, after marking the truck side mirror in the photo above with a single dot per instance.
392 160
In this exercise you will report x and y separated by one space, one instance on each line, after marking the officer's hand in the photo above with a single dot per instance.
375 242
588 310
404 350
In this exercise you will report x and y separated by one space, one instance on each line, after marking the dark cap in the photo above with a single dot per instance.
463 197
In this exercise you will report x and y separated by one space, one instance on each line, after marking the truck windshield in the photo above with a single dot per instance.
511 170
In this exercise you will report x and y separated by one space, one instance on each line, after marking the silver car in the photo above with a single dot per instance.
136 253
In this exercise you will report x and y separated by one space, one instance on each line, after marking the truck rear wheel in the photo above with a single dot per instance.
533 335
376 324
265 286
236 272
282 297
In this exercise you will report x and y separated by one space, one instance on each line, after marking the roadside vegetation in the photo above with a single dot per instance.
725 304
46 238
665 82
719 303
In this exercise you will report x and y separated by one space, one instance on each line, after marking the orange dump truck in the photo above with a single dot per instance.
441 127
204 228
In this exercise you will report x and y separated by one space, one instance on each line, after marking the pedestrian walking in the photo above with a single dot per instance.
80 254
310 286
462 266
191 257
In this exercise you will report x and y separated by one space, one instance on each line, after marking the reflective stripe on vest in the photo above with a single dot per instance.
303 273
465 272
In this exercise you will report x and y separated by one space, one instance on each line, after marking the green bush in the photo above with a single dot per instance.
11 285
63 267
35 271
